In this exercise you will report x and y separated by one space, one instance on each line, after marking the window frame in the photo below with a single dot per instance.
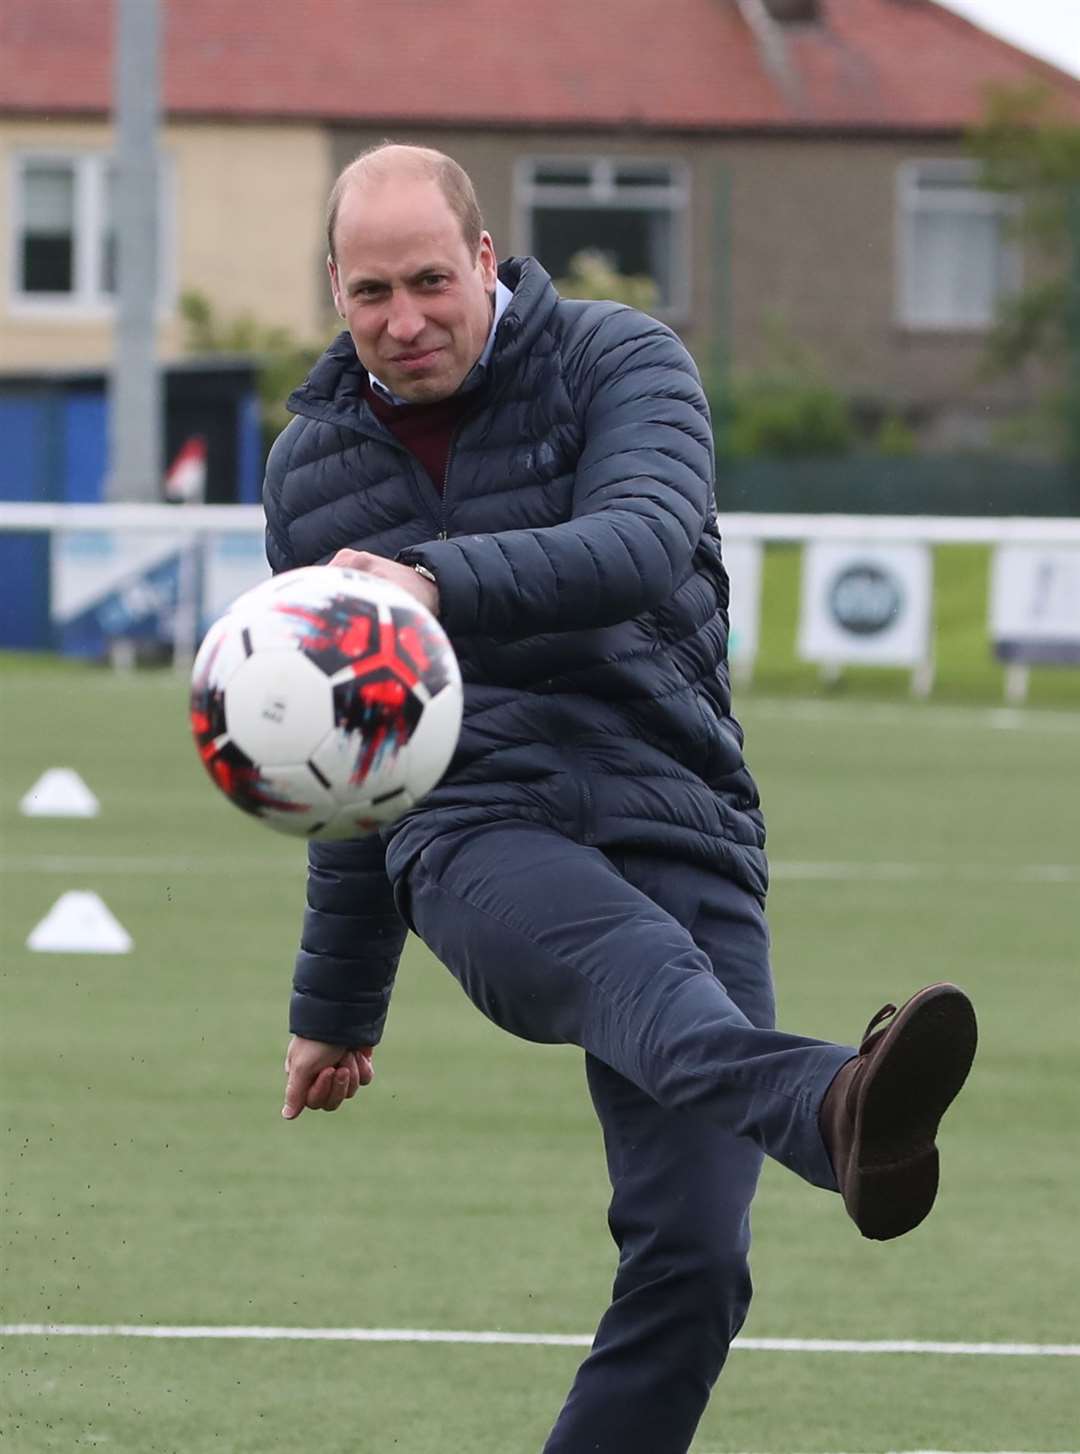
87 299
910 199
603 190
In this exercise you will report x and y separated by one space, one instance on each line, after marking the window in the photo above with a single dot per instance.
958 259
64 253
633 212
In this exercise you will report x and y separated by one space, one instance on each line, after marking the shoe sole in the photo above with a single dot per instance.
923 1061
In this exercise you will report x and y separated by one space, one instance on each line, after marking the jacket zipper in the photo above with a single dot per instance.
387 436
586 810
444 534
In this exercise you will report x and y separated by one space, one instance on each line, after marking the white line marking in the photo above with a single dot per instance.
1028 873
91 864
301 1335
556 1340
843 872
899 714
748 704
903 1345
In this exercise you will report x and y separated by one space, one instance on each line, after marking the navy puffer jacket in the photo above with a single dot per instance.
580 580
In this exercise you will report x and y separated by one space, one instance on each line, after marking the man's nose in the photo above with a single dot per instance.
405 321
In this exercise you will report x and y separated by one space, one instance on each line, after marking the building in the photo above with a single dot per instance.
790 163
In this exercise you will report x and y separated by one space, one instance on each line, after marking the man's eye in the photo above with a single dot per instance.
433 280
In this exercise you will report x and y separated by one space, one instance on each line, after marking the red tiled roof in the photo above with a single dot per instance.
666 64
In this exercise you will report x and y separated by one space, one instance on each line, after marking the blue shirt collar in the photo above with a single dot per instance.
502 300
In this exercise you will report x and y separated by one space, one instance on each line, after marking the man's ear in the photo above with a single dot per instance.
488 263
335 285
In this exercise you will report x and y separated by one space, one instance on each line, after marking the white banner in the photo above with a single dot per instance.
95 569
108 586
1035 603
865 604
151 585
233 564
742 561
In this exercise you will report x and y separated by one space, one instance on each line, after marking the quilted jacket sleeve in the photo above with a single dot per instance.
643 490
350 946
279 550
352 934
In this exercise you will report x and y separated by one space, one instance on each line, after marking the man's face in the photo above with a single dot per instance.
417 305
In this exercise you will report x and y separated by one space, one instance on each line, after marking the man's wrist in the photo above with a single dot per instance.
428 593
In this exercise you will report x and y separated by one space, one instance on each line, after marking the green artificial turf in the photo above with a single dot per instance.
148 1178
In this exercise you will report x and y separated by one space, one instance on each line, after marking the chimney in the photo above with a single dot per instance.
786 12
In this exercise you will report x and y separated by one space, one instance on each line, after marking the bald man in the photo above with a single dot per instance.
539 473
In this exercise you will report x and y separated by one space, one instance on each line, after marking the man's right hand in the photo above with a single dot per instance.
320 1076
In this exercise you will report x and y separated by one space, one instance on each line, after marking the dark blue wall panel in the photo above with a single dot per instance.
85 457
54 438
249 451
24 590
29 457
28 471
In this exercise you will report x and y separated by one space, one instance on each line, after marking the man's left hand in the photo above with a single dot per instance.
321 1076
425 591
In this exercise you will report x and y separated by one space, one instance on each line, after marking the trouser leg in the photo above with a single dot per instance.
660 972
552 943
680 1215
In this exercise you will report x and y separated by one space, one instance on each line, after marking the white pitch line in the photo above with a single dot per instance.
926 714
91 864
905 1345
795 869
1028 873
556 1340
296 1335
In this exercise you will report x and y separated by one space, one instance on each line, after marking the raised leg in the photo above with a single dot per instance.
553 943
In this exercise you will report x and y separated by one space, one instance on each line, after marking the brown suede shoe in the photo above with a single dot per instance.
880 1115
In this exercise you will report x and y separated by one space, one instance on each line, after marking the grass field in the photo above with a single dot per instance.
148 1179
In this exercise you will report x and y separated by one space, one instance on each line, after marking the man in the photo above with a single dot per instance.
539 473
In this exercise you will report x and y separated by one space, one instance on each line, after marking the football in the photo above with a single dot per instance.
326 702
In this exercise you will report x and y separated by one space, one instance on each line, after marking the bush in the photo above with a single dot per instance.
785 409
282 361
896 437
592 275
787 417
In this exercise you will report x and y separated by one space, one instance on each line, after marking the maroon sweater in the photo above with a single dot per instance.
426 430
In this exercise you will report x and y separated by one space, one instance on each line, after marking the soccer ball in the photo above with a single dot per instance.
326 702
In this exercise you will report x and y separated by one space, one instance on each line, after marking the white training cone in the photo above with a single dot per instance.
79 923
59 793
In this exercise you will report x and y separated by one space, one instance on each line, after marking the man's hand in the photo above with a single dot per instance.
321 1076
425 591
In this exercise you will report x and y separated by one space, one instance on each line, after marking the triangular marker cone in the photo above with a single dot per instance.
60 793
79 923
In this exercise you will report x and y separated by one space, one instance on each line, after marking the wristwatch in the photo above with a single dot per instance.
422 570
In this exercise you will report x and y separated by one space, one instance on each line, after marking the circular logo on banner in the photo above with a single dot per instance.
865 599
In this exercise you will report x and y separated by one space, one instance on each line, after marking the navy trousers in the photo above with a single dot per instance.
660 972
